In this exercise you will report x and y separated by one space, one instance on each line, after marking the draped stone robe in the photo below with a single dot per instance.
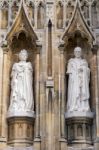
22 87
78 85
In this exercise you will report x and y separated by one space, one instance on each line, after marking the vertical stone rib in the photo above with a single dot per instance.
5 86
1 85
96 93
49 64
38 97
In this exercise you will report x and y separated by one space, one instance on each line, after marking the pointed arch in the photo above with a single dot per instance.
78 25
4 15
59 14
22 27
40 16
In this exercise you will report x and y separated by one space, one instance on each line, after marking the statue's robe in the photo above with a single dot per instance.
21 87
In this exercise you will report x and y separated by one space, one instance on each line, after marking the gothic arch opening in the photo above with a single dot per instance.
69 12
85 10
31 12
4 15
22 40
40 16
59 15
14 10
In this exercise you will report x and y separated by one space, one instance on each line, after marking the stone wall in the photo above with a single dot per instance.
50 92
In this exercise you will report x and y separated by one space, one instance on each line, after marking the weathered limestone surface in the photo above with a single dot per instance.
25 25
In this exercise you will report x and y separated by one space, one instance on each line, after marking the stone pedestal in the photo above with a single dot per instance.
20 130
79 129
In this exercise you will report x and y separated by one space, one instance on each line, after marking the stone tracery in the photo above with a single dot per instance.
86 6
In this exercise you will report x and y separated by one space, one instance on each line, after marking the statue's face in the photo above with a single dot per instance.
77 52
23 55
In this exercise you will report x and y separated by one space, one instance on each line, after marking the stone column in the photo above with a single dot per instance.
50 141
5 97
62 100
1 81
37 140
4 91
96 54
35 16
50 144
0 17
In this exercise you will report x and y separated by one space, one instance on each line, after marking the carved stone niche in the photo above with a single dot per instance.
79 125
22 36
21 128
20 131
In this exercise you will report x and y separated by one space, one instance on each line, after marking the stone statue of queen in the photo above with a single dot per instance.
78 84
21 99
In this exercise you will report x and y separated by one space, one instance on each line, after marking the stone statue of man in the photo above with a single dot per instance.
78 83
22 85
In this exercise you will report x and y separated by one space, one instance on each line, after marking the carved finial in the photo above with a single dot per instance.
22 3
